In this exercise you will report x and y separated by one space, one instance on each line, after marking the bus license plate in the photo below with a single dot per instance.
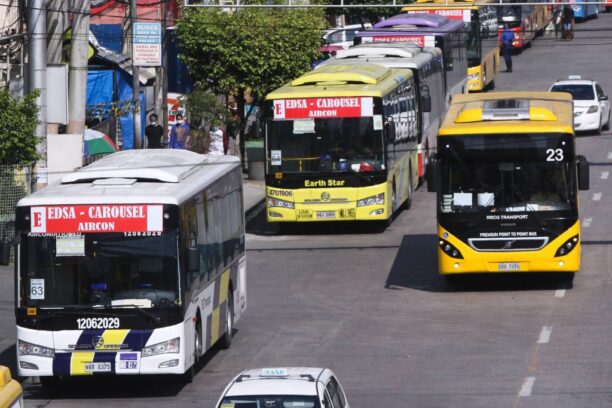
326 214
98 367
508 266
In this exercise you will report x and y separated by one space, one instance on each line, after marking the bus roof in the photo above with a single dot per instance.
390 55
509 112
351 79
417 23
160 176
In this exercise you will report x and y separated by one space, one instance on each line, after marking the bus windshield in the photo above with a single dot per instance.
330 145
507 173
99 270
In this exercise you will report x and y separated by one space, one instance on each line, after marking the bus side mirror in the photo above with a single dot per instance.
390 132
193 259
583 172
432 174
5 252
426 103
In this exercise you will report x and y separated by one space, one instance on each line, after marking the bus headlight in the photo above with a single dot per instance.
170 346
474 77
29 349
593 109
567 247
275 202
449 249
373 200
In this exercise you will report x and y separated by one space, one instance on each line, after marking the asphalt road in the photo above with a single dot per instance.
369 304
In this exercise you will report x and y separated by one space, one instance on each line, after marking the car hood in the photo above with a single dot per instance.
584 104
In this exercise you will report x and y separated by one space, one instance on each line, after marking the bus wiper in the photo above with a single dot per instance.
154 319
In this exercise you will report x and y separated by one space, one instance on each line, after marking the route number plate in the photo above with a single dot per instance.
508 266
98 367
326 214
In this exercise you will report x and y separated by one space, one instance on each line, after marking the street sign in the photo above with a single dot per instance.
146 44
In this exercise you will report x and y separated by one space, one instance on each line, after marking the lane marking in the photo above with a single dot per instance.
605 175
597 197
587 222
609 155
545 335
559 293
527 387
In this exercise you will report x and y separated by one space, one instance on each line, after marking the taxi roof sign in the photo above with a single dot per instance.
274 372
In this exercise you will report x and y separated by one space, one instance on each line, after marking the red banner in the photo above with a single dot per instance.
58 219
341 107
420 40
451 14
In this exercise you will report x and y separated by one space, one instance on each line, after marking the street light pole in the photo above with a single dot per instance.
135 81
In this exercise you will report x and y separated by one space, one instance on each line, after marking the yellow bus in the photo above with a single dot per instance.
11 393
507 177
481 23
341 144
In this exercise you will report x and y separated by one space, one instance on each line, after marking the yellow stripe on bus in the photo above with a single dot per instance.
78 361
214 325
113 339
224 287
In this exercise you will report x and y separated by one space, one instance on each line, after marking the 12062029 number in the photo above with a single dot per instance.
98 323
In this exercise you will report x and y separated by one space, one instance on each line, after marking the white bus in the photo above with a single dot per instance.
133 265
427 67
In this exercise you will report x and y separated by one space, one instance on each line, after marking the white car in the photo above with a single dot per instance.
591 104
303 387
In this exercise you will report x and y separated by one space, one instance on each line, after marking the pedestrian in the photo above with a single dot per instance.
154 133
568 23
179 134
557 16
216 141
506 46
233 133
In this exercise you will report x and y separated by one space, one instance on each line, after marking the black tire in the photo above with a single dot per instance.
452 280
491 86
408 202
566 280
606 126
197 353
599 129
225 341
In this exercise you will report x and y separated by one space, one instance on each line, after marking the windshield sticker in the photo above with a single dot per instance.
462 199
37 289
276 157
306 108
301 126
96 218
70 245
377 122
486 199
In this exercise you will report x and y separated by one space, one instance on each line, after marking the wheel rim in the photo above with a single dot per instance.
198 345
228 319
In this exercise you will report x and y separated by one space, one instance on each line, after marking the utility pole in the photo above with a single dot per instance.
57 21
37 65
77 89
135 81
164 69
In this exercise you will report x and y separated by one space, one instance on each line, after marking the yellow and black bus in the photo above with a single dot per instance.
480 19
507 178
341 144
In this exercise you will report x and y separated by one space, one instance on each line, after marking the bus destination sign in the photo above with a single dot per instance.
420 40
305 108
66 219
450 13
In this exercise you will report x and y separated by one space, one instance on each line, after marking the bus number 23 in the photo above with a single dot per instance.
554 154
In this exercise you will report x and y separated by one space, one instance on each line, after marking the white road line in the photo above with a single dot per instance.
587 222
559 293
545 335
527 387
609 155
597 197
605 175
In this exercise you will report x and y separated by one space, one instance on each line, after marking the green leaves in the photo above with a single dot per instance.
256 49
18 121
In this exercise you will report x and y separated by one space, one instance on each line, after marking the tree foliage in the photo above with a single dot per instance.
18 121
204 108
367 14
255 49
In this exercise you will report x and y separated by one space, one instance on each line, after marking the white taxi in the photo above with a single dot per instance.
303 387
591 104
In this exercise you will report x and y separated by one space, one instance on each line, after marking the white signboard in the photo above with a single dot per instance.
147 44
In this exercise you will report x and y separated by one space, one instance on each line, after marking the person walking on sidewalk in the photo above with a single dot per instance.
154 133
179 134
568 23
506 46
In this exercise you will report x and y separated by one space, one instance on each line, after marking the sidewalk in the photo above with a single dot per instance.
254 192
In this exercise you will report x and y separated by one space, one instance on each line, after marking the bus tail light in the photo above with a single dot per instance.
449 249
568 246
365 167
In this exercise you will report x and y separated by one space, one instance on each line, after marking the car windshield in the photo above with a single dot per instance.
100 270
579 92
270 401
507 173
330 145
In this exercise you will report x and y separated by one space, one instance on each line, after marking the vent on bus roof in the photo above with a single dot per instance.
505 109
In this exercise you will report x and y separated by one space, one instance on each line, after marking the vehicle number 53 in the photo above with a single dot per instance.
98 323
554 155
